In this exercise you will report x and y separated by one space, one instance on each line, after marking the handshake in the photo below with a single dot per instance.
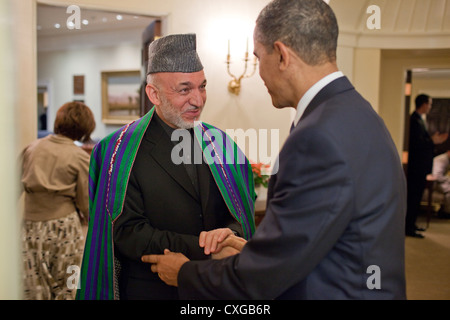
219 243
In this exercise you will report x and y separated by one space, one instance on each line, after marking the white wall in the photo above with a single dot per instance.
17 101
366 74
58 68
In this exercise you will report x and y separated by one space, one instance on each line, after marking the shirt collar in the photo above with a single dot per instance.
59 138
168 129
312 92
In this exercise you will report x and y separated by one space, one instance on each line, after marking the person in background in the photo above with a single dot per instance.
55 183
420 161
146 197
441 166
334 223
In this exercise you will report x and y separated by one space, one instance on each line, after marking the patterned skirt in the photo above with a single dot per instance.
52 253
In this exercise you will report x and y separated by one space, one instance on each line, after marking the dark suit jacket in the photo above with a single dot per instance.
421 148
163 210
334 223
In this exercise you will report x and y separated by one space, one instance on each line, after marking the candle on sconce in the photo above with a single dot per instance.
234 86
246 51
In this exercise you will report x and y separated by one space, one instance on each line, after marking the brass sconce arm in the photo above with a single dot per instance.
234 86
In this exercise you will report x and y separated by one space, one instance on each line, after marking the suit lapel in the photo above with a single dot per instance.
161 153
204 181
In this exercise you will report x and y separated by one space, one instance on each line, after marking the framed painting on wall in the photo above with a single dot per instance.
120 96
78 85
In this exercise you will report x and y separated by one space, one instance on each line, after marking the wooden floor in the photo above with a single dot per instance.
428 262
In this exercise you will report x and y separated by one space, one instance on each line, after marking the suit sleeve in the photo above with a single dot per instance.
235 226
134 236
310 209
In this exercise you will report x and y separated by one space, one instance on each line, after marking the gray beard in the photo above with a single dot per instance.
171 115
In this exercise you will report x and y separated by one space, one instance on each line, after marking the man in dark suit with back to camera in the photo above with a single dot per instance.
420 161
335 217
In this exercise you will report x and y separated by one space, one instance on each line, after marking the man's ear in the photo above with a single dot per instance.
284 54
153 94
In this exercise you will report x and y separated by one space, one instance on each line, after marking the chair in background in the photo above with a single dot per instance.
433 199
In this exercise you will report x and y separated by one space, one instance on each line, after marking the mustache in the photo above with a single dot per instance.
192 108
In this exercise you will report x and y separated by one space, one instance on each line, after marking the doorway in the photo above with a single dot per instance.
434 82
42 106
79 43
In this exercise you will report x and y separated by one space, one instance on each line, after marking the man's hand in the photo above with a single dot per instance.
209 240
234 242
230 246
439 138
166 266
225 252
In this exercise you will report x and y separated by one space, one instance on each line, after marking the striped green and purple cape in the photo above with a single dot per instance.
110 167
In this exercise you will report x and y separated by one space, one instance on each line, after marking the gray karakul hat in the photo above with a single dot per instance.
174 53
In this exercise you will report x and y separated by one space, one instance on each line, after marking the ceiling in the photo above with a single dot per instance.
431 73
48 17
397 16
405 24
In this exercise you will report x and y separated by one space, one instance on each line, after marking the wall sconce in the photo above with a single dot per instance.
234 86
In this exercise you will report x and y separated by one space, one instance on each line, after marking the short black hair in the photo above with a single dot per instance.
309 27
421 99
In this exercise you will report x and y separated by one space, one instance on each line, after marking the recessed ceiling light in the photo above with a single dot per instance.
70 25
57 25
85 22
119 17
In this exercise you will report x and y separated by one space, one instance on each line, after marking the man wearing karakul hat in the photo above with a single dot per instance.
143 201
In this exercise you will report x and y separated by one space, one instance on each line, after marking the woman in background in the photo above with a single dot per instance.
55 176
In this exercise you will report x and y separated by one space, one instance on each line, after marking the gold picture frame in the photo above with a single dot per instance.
120 96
